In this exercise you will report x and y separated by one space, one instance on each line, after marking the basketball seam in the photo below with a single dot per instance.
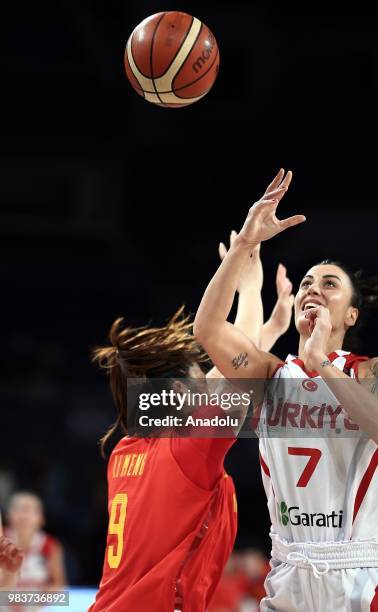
140 88
151 52
186 101
135 70
188 84
178 50
182 55
152 79
189 100
199 78
189 52
131 46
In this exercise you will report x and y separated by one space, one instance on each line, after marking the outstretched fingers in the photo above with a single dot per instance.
291 221
232 237
284 285
222 250
287 180
276 181
276 193
280 277
280 181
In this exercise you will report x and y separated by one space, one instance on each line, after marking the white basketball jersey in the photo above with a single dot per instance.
320 488
35 570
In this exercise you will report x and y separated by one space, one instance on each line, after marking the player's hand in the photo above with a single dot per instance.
320 328
10 555
251 276
261 222
283 309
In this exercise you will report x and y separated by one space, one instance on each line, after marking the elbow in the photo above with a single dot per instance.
198 328
204 331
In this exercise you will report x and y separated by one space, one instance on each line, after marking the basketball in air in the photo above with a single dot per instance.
172 59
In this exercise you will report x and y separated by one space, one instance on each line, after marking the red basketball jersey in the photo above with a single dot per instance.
168 539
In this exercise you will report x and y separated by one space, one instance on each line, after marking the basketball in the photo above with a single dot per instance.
172 59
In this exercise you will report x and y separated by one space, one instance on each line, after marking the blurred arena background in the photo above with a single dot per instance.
111 206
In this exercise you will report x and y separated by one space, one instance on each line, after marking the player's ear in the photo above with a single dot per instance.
351 316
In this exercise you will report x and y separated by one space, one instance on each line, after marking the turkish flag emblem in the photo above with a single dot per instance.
309 384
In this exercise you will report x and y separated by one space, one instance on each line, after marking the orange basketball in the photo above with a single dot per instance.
172 59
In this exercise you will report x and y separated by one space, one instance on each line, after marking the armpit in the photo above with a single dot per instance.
368 375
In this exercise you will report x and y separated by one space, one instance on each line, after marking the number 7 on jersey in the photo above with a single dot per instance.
314 454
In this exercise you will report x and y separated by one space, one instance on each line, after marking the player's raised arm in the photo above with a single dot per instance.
233 352
279 321
249 315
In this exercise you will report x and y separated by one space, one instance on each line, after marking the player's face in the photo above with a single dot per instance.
25 513
194 372
329 286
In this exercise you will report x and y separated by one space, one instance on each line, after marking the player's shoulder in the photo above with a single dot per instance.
368 368
274 363
128 444
50 544
128 447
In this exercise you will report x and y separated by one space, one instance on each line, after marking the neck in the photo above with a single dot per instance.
335 342
24 537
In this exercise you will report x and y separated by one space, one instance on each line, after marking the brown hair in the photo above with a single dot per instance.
146 352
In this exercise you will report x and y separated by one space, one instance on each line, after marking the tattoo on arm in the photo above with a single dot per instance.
374 386
240 360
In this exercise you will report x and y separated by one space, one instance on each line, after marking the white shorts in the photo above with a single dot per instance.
317 577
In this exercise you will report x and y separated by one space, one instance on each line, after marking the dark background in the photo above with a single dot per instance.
110 205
